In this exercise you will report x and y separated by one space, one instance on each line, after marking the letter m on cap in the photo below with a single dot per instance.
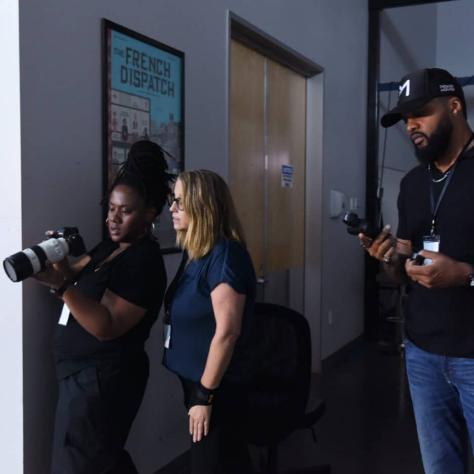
404 87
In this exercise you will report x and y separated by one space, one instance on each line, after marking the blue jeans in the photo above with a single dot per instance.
442 392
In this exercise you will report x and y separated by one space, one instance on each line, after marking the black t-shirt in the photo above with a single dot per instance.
441 320
137 275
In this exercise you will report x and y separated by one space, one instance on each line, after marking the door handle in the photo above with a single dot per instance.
261 281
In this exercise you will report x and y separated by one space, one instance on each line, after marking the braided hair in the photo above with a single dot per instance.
145 171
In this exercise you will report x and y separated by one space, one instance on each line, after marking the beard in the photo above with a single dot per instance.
437 143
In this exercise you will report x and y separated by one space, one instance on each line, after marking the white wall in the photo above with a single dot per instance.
62 161
11 363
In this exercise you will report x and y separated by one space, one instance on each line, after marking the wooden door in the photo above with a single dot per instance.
246 172
286 146
267 144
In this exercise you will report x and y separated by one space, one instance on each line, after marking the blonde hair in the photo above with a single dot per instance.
208 203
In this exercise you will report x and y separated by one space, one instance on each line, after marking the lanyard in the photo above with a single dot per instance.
435 205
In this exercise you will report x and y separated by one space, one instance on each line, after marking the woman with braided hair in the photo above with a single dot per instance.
112 297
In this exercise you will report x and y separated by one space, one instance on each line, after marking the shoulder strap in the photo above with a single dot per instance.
101 251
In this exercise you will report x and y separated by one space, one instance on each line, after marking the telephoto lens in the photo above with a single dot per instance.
61 243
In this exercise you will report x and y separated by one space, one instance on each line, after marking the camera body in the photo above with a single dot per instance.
356 225
418 259
59 244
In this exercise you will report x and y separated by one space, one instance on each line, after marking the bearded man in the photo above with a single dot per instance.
436 221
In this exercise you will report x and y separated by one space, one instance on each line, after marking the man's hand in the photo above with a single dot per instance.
382 247
392 252
443 272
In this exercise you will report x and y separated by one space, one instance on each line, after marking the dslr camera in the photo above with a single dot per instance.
59 244
356 225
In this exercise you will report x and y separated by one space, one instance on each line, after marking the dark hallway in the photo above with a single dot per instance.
368 427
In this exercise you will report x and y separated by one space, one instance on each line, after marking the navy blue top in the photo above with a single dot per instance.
190 313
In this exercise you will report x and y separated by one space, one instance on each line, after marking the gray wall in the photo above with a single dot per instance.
62 162
433 35
407 43
454 44
337 39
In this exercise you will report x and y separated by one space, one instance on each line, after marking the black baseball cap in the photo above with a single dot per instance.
418 88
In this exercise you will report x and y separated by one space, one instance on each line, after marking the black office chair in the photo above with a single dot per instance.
279 393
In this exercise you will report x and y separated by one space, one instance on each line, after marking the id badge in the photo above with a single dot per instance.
65 313
64 318
167 335
431 243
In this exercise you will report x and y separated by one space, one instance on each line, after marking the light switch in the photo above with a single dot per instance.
336 204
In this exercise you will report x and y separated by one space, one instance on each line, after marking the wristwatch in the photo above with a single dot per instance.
470 279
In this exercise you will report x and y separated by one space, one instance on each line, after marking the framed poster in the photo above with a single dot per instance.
143 90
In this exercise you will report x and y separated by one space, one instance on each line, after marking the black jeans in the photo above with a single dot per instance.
95 411
224 450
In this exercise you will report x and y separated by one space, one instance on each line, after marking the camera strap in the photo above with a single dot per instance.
169 297
173 286
97 254
449 175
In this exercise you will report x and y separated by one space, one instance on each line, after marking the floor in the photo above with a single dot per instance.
368 427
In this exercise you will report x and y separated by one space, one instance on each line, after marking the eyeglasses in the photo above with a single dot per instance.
172 200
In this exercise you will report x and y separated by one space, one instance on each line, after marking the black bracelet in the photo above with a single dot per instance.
201 395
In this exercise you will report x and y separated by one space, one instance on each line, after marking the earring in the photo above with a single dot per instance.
107 220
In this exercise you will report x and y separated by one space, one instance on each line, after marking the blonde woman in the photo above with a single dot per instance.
208 325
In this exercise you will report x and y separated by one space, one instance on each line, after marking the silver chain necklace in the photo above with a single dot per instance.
439 180
447 173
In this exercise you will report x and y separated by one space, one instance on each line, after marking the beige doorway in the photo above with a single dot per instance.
267 170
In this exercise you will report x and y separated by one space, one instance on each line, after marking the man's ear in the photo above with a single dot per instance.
455 106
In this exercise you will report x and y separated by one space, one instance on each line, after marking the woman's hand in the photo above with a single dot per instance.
51 276
199 420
